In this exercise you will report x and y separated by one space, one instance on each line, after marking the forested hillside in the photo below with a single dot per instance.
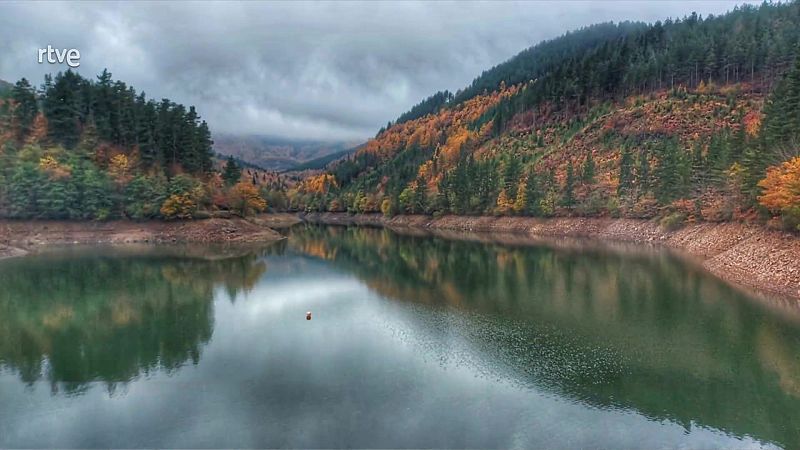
690 119
96 149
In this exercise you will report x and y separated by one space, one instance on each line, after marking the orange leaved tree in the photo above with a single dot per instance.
782 191
245 200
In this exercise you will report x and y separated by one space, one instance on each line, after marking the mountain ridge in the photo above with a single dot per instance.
673 118
273 153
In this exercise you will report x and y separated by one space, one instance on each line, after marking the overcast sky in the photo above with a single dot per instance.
320 71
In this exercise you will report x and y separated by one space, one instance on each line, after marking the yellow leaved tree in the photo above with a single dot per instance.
178 206
245 200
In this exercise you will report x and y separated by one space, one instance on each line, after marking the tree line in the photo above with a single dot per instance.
77 148
751 43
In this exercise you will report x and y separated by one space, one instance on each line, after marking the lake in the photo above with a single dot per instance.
416 341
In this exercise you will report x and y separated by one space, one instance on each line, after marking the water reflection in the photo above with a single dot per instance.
626 329
112 314
416 341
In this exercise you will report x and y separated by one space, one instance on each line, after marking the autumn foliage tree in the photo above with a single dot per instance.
781 193
245 200
179 206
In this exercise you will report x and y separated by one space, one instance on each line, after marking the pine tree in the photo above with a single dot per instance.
625 172
669 173
25 107
420 197
204 150
533 196
643 182
511 172
568 196
65 108
102 107
231 173
699 167
781 126
24 191
146 125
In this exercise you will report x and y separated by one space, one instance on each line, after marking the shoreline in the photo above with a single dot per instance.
748 256
21 237
745 255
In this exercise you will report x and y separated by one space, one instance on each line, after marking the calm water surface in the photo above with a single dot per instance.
415 342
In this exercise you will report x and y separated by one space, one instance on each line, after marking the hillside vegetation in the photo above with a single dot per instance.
96 149
691 119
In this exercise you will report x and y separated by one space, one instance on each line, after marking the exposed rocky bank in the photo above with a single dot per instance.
17 238
744 254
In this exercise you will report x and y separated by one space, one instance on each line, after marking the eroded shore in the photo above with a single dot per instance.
18 238
747 255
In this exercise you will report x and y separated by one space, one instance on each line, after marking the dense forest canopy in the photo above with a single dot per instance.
610 59
77 148
680 119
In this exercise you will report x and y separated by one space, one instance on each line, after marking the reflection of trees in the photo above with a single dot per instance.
643 331
81 318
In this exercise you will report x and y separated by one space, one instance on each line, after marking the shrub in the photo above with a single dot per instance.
718 209
593 204
790 218
644 208
387 208
673 221
547 206
178 206
612 205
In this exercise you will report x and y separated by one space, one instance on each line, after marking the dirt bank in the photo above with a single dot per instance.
747 255
19 237
277 220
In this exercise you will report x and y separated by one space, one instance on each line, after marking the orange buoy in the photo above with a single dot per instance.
308 315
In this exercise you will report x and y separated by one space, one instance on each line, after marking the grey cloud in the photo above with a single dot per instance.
333 71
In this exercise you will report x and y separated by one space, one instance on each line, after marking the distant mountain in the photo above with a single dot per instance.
276 153
321 162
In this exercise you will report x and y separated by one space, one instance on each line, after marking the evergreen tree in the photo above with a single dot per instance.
65 109
102 105
511 175
533 196
625 172
670 173
781 127
568 196
25 107
420 198
231 173
699 167
643 181
24 191
204 150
